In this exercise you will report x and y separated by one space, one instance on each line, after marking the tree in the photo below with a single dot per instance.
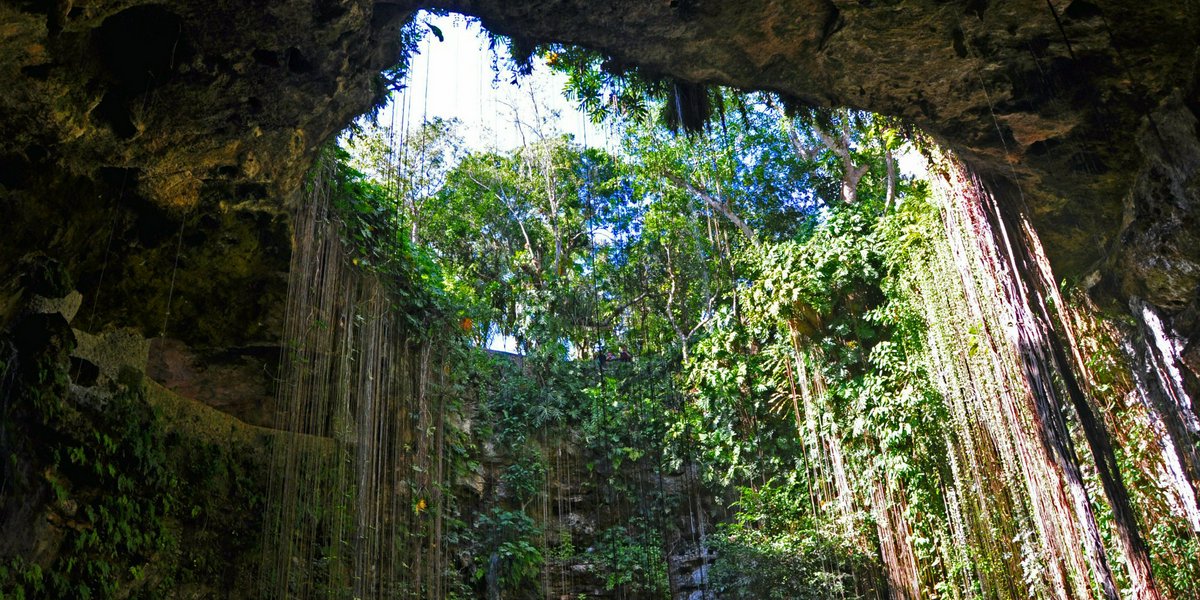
412 165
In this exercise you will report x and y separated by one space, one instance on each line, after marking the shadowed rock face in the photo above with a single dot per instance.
182 107
152 146
191 98
1058 98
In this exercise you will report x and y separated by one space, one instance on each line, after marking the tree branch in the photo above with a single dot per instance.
715 204
807 153
537 262
890 160
852 173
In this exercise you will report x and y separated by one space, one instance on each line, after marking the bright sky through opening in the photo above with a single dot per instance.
455 78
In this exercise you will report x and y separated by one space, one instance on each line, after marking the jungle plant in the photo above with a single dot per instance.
507 554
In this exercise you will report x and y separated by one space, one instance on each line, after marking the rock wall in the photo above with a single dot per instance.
584 500
123 118
113 485
149 146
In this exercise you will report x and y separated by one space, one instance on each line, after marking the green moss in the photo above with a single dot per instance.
45 276
140 504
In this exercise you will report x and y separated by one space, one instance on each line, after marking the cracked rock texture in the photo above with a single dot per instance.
151 145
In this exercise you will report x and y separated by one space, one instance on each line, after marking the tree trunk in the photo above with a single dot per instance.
890 160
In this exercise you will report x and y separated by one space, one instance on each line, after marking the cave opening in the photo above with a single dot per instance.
635 335
724 354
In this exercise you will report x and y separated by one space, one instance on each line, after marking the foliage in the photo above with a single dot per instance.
411 166
776 547
528 273
374 231
745 303
508 550
732 250
115 480
631 558
524 478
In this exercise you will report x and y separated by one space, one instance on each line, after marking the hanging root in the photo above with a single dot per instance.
687 108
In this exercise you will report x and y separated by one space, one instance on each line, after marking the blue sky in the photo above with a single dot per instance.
454 78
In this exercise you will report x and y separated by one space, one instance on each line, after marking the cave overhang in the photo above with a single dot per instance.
1082 113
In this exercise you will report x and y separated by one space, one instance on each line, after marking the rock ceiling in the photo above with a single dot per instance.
1081 113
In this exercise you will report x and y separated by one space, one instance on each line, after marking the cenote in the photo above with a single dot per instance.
563 299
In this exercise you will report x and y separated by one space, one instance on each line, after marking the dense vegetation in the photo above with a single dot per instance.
747 308
750 359
659 297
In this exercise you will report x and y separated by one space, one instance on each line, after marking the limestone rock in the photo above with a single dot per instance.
157 127
112 351
67 306
236 381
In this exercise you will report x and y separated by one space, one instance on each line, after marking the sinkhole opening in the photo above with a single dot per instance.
580 316
613 147
571 329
